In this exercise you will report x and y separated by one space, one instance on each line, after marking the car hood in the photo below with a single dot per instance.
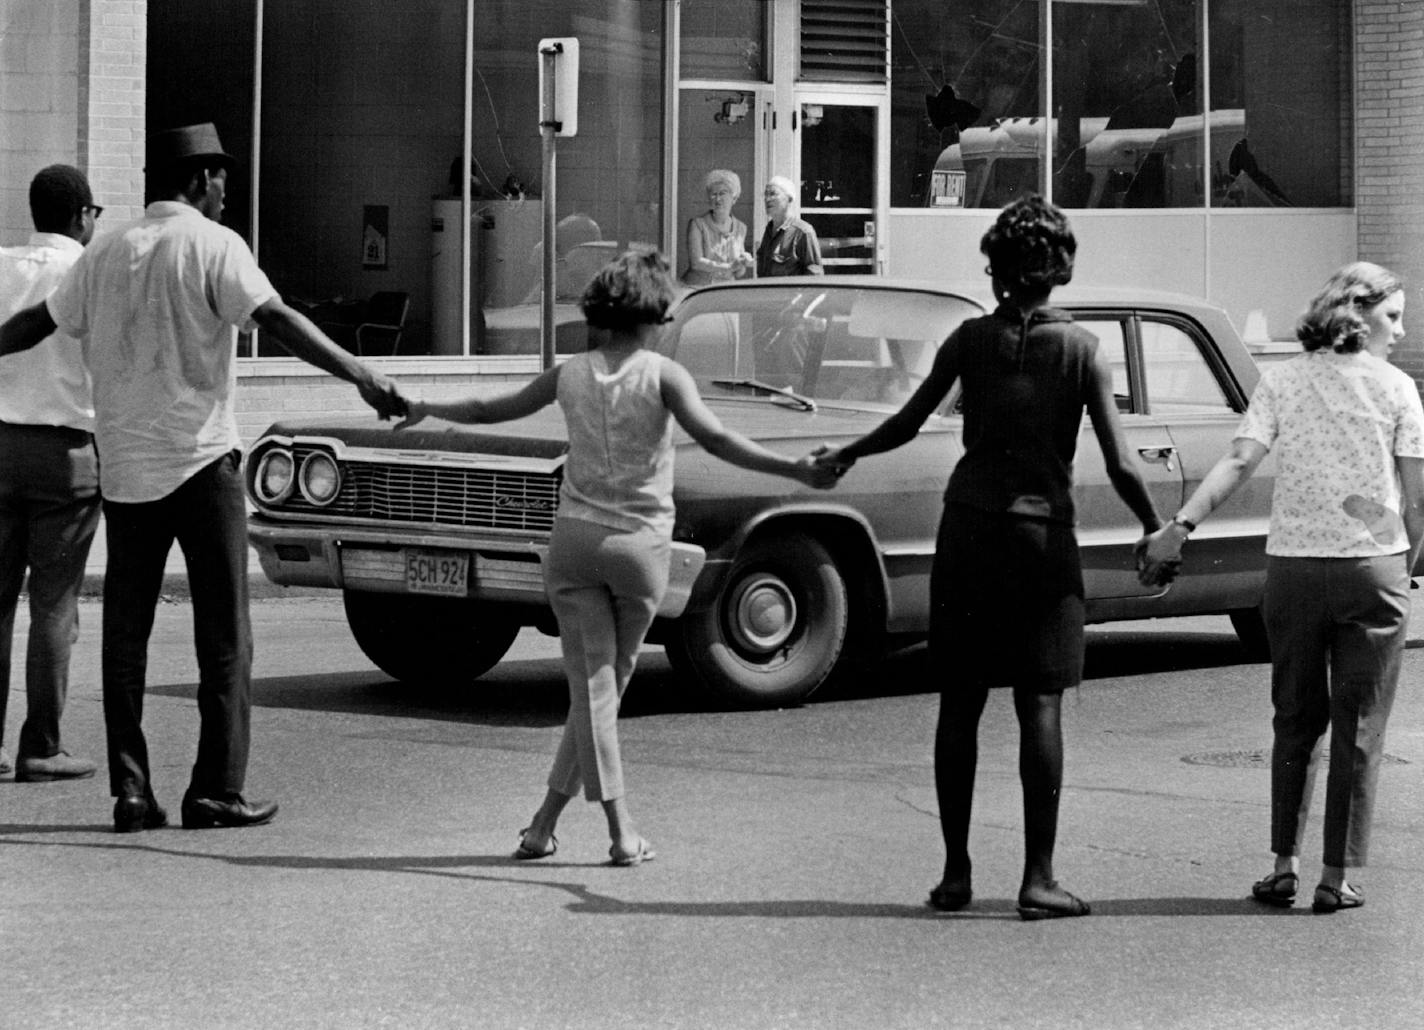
543 434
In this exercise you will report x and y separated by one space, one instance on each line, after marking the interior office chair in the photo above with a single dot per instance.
380 330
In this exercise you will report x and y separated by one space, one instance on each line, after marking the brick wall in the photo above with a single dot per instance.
71 91
111 116
1389 101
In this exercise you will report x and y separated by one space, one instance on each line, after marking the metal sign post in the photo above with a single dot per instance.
558 116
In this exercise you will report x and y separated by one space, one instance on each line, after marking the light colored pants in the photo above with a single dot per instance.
1336 628
605 586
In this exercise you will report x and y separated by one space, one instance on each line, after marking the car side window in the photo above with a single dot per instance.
1179 379
1112 341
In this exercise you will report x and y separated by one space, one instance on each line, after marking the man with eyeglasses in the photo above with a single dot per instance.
157 305
49 476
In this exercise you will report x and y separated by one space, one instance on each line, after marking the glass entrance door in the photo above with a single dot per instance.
840 180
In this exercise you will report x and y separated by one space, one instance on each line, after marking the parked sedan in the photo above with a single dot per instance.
437 535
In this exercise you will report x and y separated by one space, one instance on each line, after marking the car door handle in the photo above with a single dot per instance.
1159 456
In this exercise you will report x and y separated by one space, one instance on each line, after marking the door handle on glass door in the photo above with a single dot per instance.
1159 456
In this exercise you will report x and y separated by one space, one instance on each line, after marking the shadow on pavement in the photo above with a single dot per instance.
531 693
587 901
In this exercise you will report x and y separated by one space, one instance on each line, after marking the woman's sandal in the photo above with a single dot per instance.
1333 899
947 897
645 853
1067 907
525 853
1277 890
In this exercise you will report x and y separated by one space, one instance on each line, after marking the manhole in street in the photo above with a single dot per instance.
1258 758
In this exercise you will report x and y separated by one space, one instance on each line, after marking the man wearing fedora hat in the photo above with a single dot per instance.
156 305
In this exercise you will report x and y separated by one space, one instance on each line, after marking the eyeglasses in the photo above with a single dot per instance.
94 209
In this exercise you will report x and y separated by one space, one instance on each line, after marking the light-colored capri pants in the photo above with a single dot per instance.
605 585
1336 628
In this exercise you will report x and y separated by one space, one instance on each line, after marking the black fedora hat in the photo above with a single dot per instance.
170 146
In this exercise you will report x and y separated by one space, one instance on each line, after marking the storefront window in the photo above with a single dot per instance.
1127 104
965 102
724 39
1280 72
362 128
1130 127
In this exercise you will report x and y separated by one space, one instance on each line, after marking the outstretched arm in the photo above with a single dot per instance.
25 328
902 426
1122 471
1164 547
300 336
537 393
679 393
1411 482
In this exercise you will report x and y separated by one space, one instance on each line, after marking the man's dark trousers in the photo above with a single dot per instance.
49 510
207 516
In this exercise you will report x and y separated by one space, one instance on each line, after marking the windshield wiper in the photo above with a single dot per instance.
757 386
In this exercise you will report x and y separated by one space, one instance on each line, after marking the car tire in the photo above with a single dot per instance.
1250 627
428 640
776 629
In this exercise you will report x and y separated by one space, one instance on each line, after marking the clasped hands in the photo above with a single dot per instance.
824 467
1159 556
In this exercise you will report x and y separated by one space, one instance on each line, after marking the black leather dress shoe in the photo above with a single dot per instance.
233 810
134 812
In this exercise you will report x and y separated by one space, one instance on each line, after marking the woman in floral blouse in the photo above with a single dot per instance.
1347 521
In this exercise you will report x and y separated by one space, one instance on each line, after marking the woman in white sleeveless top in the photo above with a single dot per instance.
608 558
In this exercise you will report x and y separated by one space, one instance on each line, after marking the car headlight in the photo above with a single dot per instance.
275 476
320 478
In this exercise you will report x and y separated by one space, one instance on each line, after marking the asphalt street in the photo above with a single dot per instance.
795 851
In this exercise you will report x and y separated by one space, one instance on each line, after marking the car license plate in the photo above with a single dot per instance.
437 572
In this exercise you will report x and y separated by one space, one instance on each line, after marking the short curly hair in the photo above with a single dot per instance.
724 177
635 288
57 194
1030 245
1335 316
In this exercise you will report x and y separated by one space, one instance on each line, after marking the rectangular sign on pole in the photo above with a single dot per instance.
565 64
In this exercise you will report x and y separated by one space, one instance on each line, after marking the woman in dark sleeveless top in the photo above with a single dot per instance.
1006 587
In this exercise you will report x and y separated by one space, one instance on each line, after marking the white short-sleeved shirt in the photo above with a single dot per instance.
620 465
157 304
48 384
1336 422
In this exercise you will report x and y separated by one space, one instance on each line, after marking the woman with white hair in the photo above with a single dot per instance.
789 245
716 241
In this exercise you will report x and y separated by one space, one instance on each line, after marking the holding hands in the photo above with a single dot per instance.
1159 555
812 471
381 392
830 463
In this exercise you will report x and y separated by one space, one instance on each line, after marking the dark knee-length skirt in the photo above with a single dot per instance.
1006 599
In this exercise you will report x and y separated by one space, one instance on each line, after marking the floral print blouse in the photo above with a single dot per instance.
1336 422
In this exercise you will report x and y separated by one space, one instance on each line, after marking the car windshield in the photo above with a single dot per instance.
826 342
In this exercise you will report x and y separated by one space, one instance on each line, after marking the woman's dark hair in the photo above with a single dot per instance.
57 194
1335 316
1030 245
635 288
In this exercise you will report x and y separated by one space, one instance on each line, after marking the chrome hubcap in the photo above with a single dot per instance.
763 613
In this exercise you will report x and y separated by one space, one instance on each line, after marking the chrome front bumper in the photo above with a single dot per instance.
373 560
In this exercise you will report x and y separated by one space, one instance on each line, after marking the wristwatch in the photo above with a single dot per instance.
1186 524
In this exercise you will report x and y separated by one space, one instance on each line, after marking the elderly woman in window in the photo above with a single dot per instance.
716 240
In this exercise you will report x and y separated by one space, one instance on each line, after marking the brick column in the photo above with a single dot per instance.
71 92
112 71
1389 127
